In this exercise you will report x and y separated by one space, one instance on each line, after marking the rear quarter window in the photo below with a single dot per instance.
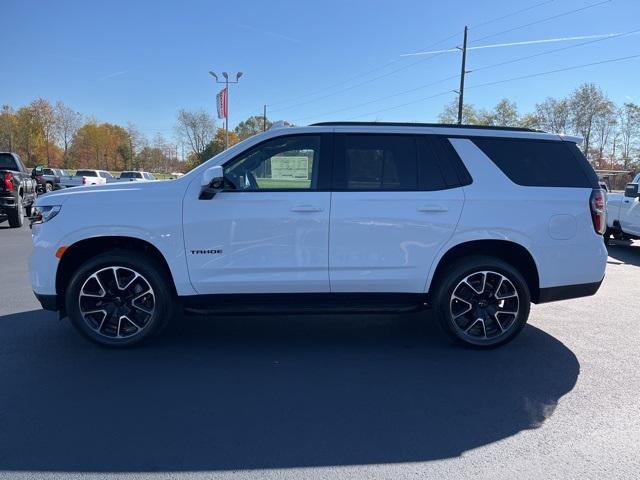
539 163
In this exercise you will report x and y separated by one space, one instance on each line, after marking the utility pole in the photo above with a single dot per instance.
264 119
226 82
462 72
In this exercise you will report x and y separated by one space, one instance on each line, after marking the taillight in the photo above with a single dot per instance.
8 181
598 211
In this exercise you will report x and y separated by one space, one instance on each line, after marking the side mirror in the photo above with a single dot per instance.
212 182
631 190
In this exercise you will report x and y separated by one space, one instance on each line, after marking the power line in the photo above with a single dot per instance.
451 77
357 84
533 75
379 99
555 50
391 62
569 12
548 72
510 14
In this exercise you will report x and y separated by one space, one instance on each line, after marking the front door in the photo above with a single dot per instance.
268 231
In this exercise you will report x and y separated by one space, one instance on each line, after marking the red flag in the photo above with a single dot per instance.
221 103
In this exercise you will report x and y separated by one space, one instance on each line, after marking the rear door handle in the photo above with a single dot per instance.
306 209
433 208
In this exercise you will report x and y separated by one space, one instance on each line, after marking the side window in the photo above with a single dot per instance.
105 174
48 171
430 163
376 162
289 163
535 163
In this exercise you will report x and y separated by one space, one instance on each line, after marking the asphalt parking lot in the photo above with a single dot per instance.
299 397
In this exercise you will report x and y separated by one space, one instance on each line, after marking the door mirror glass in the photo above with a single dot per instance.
631 190
212 182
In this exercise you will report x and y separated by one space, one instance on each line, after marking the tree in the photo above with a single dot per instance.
554 115
214 147
196 129
104 146
45 120
603 127
251 126
27 135
68 121
586 104
629 129
505 114
450 113
7 128
136 143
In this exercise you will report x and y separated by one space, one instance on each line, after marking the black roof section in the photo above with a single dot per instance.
408 124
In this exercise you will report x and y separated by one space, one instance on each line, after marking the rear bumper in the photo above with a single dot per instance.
565 292
48 302
8 202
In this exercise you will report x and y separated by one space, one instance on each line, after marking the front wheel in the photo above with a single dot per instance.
119 299
482 302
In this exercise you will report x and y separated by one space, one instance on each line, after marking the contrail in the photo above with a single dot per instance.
526 42
114 74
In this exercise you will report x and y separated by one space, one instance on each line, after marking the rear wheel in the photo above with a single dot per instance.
119 299
482 302
16 215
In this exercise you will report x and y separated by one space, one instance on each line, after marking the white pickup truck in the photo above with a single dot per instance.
86 177
623 213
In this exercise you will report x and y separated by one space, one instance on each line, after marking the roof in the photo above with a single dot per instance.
432 125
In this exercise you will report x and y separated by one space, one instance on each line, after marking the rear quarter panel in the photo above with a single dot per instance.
553 224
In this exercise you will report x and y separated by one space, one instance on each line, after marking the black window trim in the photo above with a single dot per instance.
559 141
423 148
324 163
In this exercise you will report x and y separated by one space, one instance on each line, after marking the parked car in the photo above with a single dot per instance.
474 222
86 177
47 179
623 213
18 190
135 176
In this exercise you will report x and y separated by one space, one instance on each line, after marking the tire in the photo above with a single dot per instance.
126 315
48 187
474 297
16 215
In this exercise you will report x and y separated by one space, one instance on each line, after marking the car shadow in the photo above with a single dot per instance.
233 393
624 252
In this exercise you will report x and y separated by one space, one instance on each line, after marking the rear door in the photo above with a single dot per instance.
392 209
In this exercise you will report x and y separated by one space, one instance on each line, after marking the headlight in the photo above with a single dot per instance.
44 214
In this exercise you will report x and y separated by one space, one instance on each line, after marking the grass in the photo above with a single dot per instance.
279 183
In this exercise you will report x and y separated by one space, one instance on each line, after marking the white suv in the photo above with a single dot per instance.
474 222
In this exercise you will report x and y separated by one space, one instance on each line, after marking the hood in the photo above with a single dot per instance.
93 192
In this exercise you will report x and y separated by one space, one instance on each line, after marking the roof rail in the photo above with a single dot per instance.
409 124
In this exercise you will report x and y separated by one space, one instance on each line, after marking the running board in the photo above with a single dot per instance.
303 303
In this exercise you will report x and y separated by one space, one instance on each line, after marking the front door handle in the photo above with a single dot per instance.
433 208
306 209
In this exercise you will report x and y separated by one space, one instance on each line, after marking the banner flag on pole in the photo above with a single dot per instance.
221 103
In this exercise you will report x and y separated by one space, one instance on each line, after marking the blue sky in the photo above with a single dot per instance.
141 61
